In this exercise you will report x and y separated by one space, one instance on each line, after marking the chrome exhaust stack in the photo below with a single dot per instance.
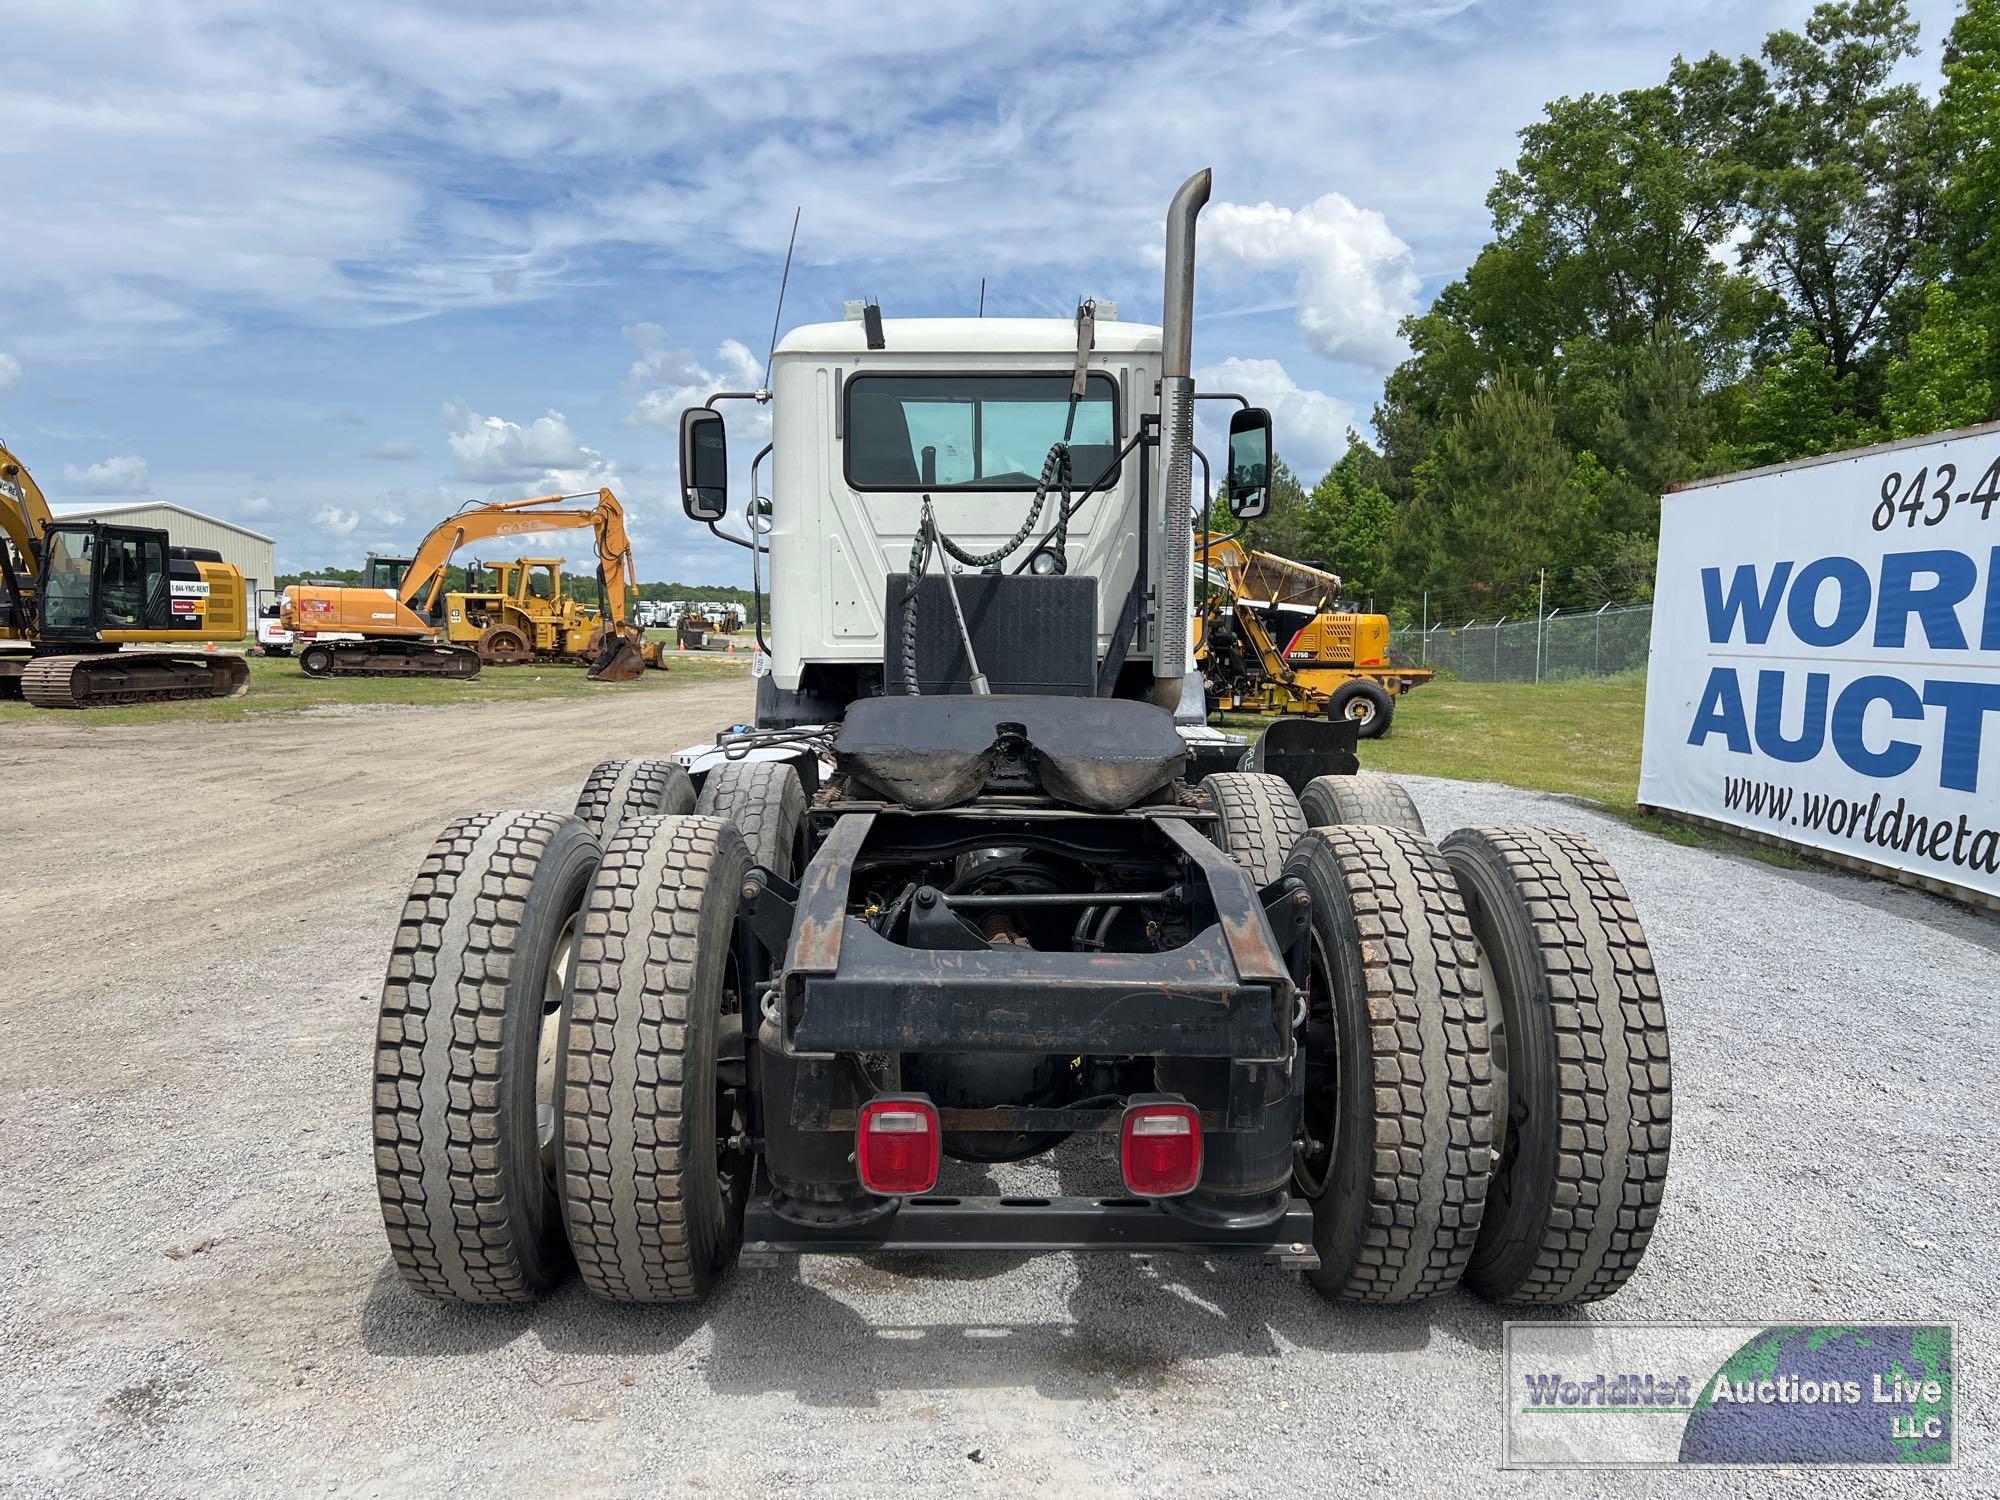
1173 533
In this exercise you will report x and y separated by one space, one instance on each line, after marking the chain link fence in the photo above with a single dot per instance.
1604 644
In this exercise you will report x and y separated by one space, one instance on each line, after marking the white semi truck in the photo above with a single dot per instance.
966 893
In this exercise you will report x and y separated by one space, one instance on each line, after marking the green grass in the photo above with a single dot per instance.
278 686
1577 739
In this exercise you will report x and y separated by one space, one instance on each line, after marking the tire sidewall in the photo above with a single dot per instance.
1338 940
715 1219
562 877
1520 1197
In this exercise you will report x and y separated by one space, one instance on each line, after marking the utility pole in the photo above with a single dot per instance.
1541 599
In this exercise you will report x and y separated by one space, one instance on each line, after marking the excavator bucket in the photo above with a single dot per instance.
619 659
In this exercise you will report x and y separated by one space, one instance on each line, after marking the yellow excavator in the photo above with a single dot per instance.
75 593
1272 642
390 625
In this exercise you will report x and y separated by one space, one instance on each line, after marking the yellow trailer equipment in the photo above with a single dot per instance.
1272 642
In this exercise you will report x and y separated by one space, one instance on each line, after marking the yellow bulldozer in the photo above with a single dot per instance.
75 593
401 621
1272 641
522 610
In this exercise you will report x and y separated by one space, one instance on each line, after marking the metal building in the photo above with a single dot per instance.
253 553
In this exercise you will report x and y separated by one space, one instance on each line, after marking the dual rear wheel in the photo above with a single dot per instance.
561 1055
1486 1080
560 1060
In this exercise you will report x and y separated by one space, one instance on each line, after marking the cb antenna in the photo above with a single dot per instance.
783 281
982 296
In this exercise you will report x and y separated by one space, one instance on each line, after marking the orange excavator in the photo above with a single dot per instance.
392 624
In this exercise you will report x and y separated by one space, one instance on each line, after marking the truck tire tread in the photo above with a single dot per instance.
1360 798
1573 1220
767 802
618 789
1260 820
644 1019
467 1219
1401 1210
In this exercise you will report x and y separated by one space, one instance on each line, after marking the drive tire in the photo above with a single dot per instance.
1582 1067
619 789
1367 703
1258 820
654 1207
1360 798
767 802
463 1167
1399 1093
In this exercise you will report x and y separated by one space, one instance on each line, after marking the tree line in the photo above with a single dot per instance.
1755 260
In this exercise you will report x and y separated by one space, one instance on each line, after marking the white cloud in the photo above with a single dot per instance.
10 373
387 515
395 452
1308 427
336 522
253 505
124 475
680 380
1727 251
1356 279
492 450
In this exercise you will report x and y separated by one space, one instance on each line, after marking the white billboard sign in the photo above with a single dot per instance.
1826 656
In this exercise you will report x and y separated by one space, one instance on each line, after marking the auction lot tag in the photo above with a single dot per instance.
1661 1395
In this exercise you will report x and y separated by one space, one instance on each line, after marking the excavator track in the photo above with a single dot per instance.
388 658
113 678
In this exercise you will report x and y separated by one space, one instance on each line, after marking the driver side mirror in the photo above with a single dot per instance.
704 465
1247 485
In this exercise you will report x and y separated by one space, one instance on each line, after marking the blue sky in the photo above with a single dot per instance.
333 269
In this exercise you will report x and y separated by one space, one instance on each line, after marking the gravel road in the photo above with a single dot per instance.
196 1297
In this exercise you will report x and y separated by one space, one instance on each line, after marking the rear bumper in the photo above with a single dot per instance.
1128 1226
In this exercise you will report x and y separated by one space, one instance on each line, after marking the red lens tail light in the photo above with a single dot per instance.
897 1143
1159 1147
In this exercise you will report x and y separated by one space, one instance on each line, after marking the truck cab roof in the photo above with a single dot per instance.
968 336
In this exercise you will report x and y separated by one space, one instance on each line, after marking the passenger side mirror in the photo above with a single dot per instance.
704 465
1247 485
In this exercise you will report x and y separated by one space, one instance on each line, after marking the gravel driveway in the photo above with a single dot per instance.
195 1295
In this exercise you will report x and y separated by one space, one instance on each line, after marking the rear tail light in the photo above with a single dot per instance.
1159 1147
897 1144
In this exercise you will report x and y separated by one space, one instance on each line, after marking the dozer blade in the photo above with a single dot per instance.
619 659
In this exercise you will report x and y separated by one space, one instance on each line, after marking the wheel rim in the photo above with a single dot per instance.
504 647
1509 1113
548 1085
1361 711
1319 1047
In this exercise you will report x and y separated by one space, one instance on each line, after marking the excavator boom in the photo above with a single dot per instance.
398 630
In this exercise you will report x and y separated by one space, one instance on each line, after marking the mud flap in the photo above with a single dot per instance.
1299 749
